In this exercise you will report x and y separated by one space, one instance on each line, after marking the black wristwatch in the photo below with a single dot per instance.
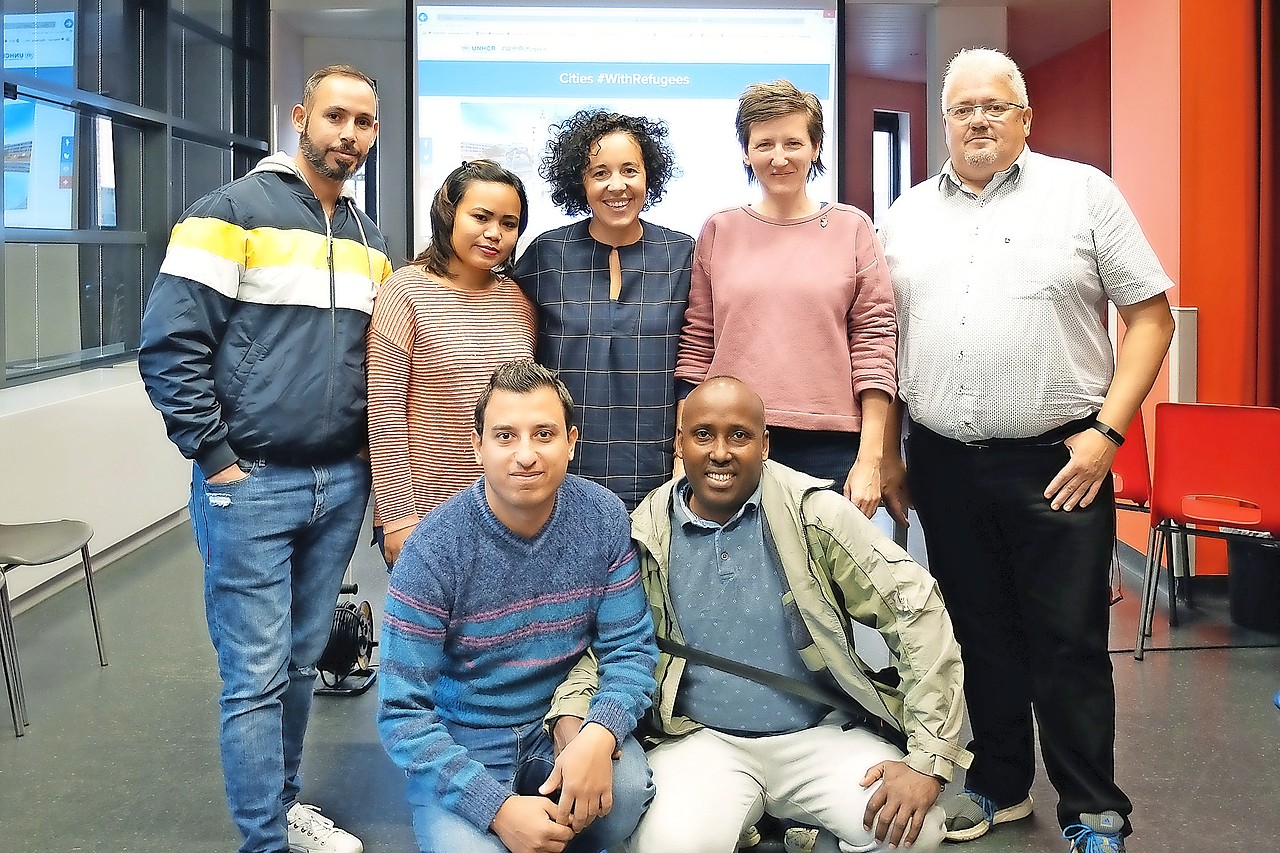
1114 437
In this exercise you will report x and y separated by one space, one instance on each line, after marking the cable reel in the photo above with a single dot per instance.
345 665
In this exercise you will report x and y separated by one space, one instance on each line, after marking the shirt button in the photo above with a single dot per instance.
724 555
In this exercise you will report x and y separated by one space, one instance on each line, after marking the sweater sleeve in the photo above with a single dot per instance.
390 365
624 643
697 338
412 654
873 329
186 317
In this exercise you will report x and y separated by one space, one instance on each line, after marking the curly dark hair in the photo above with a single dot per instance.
569 152
439 252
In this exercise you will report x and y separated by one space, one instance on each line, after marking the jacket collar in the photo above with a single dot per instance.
282 163
781 491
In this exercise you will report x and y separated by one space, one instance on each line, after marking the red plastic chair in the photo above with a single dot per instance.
1131 476
1131 469
1215 466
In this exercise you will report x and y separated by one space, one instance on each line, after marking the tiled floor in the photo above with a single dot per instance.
125 758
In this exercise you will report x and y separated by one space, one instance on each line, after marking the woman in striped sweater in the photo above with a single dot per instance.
440 326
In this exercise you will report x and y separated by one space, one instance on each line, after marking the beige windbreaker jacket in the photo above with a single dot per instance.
839 567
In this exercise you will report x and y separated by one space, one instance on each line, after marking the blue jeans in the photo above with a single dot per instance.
521 759
275 546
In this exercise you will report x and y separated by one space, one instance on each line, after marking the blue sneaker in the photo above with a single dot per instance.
1277 699
1096 833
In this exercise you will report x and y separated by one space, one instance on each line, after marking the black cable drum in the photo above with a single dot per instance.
350 645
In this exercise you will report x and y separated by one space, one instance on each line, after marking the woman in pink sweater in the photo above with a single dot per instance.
792 296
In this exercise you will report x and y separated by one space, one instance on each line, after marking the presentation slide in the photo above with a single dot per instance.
492 79
39 139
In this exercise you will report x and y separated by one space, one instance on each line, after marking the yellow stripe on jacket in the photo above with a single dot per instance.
214 253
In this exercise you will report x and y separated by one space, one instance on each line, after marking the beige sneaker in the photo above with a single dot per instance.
800 839
750 837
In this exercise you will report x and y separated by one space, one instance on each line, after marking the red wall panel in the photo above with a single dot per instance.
1071 103
863 96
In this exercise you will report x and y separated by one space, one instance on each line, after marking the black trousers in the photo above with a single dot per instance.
1027 590
818 453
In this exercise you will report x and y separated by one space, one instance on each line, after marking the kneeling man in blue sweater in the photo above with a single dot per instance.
495 596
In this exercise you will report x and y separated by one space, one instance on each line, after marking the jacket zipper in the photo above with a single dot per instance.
333 326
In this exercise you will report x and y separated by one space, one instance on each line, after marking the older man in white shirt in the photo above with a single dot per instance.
1003 266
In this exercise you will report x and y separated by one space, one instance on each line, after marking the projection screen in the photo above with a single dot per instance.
489 80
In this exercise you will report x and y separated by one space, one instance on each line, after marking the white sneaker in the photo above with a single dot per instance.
312 832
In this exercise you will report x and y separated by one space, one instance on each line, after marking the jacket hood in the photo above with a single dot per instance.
282 163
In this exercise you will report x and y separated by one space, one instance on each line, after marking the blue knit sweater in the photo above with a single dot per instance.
482 625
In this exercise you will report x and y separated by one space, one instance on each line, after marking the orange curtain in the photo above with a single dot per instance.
1268 194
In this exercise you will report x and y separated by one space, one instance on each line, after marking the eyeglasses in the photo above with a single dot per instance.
994 111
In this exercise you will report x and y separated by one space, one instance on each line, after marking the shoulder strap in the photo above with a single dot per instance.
859 716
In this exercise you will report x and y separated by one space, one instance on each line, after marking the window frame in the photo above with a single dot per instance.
159 123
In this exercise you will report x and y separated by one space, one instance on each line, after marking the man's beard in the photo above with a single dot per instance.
316 157
981 158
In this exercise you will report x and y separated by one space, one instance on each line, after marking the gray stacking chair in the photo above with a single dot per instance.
35 544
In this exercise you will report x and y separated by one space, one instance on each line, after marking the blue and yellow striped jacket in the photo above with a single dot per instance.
253 339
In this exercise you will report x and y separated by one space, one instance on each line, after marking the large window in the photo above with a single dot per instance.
117 115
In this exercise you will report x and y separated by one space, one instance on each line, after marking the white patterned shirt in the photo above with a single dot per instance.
1002 298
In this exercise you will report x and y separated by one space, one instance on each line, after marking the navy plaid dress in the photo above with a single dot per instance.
617 358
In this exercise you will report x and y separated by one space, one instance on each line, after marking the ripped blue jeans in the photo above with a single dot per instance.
275 546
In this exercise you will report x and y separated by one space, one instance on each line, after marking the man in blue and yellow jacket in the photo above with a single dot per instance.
253 351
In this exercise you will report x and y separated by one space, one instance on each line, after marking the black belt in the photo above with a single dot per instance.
1053 437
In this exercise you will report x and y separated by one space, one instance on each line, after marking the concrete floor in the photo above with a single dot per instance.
125 758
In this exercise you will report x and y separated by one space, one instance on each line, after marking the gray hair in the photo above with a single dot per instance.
996 62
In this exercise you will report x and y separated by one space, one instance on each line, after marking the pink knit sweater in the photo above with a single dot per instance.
800 309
